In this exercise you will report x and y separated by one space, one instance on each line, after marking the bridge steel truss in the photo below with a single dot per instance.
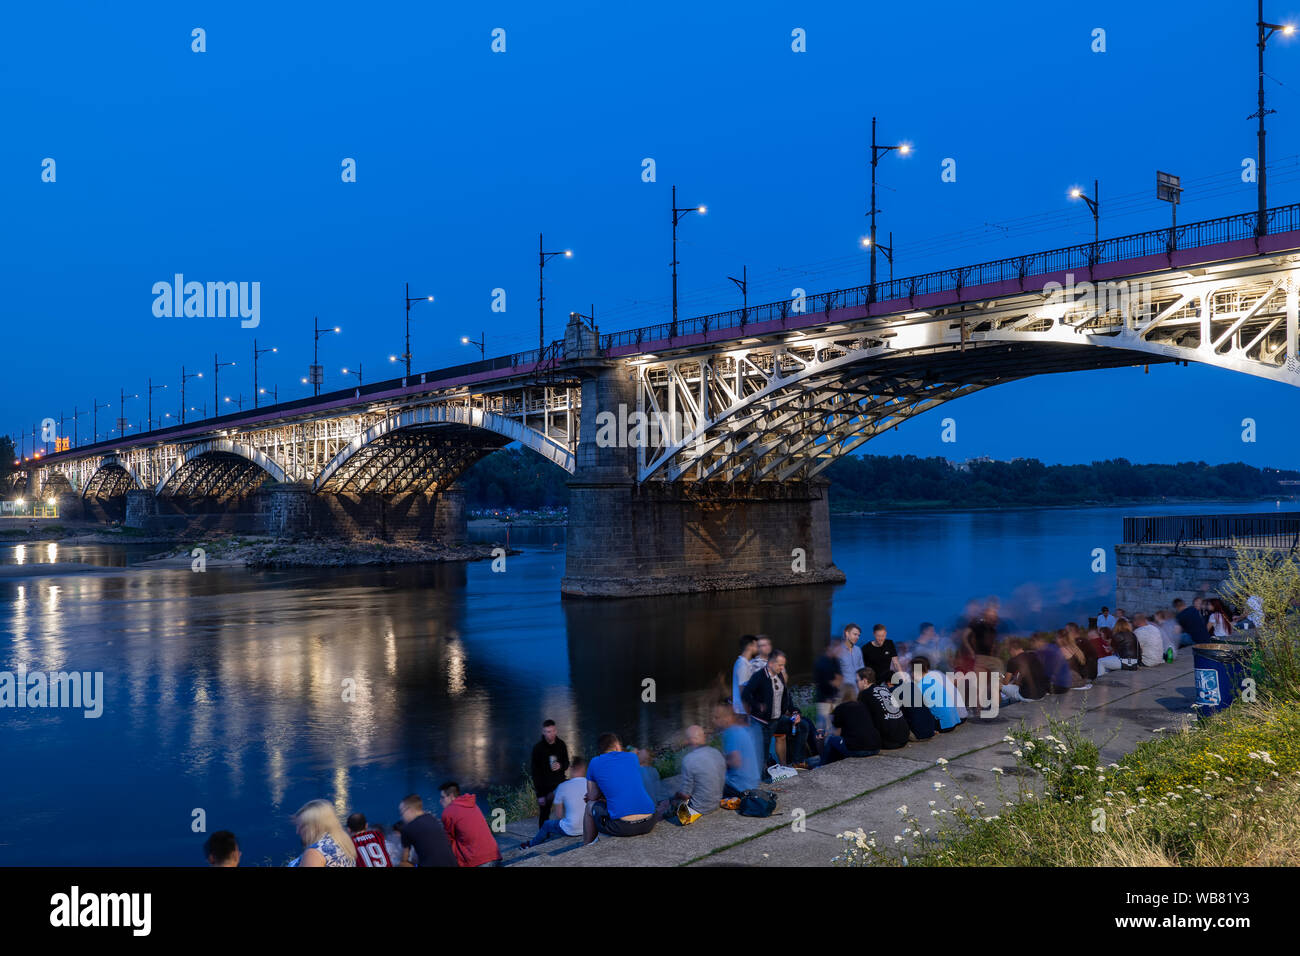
422 443
785 408
776 407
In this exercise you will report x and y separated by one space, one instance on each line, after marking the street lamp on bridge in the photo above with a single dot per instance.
679 213
317 374
122 424
237 402
216 373
185 377
877 150
743 285
1094 206
357 372
1261 186
885 250
542 258
480 344
258 353
409 299
275 394
97 407
153 388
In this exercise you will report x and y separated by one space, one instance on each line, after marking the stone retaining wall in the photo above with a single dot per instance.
1149 576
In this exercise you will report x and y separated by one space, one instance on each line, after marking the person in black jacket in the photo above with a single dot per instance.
885 711
772 710
549 765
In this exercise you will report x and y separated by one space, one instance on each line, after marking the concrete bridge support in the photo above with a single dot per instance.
292 510
627 539
140 507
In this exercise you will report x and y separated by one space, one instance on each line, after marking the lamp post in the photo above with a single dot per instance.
152 388
480 343
97 406
121 412
185 377
1261 185
743 285
258 353
1094 206
542 258
275 394
679 213
357 372
216 373
885 250
75 415
237 402
409 299
317 375
877 151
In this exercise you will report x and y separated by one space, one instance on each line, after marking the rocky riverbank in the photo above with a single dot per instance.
267 553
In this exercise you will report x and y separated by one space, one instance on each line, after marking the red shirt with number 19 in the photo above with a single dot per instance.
371 851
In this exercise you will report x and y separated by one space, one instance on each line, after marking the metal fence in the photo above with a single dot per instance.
1268 530
1155 242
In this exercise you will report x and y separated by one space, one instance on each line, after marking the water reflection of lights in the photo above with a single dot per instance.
20 554
52 553
455 667
54 597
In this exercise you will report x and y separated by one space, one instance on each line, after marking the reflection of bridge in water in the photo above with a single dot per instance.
766 399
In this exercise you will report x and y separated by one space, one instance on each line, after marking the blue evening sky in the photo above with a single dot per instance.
225 166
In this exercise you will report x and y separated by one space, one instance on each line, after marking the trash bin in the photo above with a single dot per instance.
1219 672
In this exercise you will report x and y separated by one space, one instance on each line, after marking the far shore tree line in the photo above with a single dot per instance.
515 478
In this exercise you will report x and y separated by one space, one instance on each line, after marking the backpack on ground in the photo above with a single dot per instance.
757 803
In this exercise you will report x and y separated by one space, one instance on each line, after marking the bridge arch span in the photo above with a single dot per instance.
112 477
230 466
429 447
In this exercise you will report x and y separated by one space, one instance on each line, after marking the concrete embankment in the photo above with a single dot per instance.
1119 712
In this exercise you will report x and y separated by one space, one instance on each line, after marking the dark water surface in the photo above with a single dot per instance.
224 691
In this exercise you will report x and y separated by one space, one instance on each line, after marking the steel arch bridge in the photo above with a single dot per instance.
773 393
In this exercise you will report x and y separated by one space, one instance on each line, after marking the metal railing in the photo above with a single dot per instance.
1154 242
1267 530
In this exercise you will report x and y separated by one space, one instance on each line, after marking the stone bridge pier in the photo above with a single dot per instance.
628 538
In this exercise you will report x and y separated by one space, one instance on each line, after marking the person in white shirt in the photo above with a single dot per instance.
1106 619
742 670
1169 629
568 808
1150 641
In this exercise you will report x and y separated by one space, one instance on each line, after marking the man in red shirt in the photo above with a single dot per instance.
468 832
371 850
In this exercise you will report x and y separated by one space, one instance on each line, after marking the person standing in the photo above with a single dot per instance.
741 671
829 683
772 708
850 655
1190 620
881 655
550 764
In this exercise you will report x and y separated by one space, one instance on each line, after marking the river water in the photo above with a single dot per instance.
224 692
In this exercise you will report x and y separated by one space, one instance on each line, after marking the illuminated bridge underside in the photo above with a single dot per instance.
775 411
425 459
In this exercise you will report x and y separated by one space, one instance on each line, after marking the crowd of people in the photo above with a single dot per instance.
867 696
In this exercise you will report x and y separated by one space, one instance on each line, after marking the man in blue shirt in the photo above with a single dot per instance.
740 748
616 796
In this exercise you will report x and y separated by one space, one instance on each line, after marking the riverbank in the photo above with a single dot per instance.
1122 710
267 553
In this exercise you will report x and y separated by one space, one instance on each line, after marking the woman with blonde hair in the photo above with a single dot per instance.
325 841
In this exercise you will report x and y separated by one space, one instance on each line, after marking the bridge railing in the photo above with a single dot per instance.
1265 530
1153 242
